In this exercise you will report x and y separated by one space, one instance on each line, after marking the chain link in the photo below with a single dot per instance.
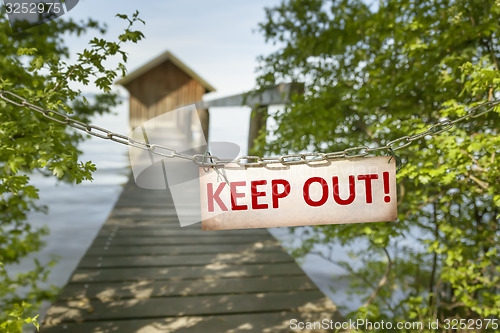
246 161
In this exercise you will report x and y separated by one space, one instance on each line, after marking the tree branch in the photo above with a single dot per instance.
349 269
434 257
382 281
484 185
422 205
476 162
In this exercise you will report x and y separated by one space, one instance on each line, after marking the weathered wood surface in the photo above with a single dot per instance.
144 273
258 119
163 84
277 95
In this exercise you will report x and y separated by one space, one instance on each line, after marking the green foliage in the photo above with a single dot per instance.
34 64
375 72
17 317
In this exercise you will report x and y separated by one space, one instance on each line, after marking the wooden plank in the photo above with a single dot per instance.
143 198
162 307
204 116
274 322
153 202
164 232
153 212
183 260
182 240
277 95
150 288
258 120
192 272
188 249
145 224
142 211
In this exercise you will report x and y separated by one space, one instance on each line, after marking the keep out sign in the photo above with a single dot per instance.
333 192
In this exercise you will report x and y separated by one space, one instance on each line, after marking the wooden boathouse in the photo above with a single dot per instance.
162 85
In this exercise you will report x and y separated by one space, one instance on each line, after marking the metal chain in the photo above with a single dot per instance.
246 161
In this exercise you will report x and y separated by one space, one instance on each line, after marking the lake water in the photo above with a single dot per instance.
77 212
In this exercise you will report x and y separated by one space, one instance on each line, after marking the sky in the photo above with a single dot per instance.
218 39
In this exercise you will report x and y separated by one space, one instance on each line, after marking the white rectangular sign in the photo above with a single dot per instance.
328 192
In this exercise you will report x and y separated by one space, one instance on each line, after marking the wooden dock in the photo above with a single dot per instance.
144 273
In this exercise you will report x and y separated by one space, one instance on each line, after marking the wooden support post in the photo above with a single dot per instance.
204 116
258 119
